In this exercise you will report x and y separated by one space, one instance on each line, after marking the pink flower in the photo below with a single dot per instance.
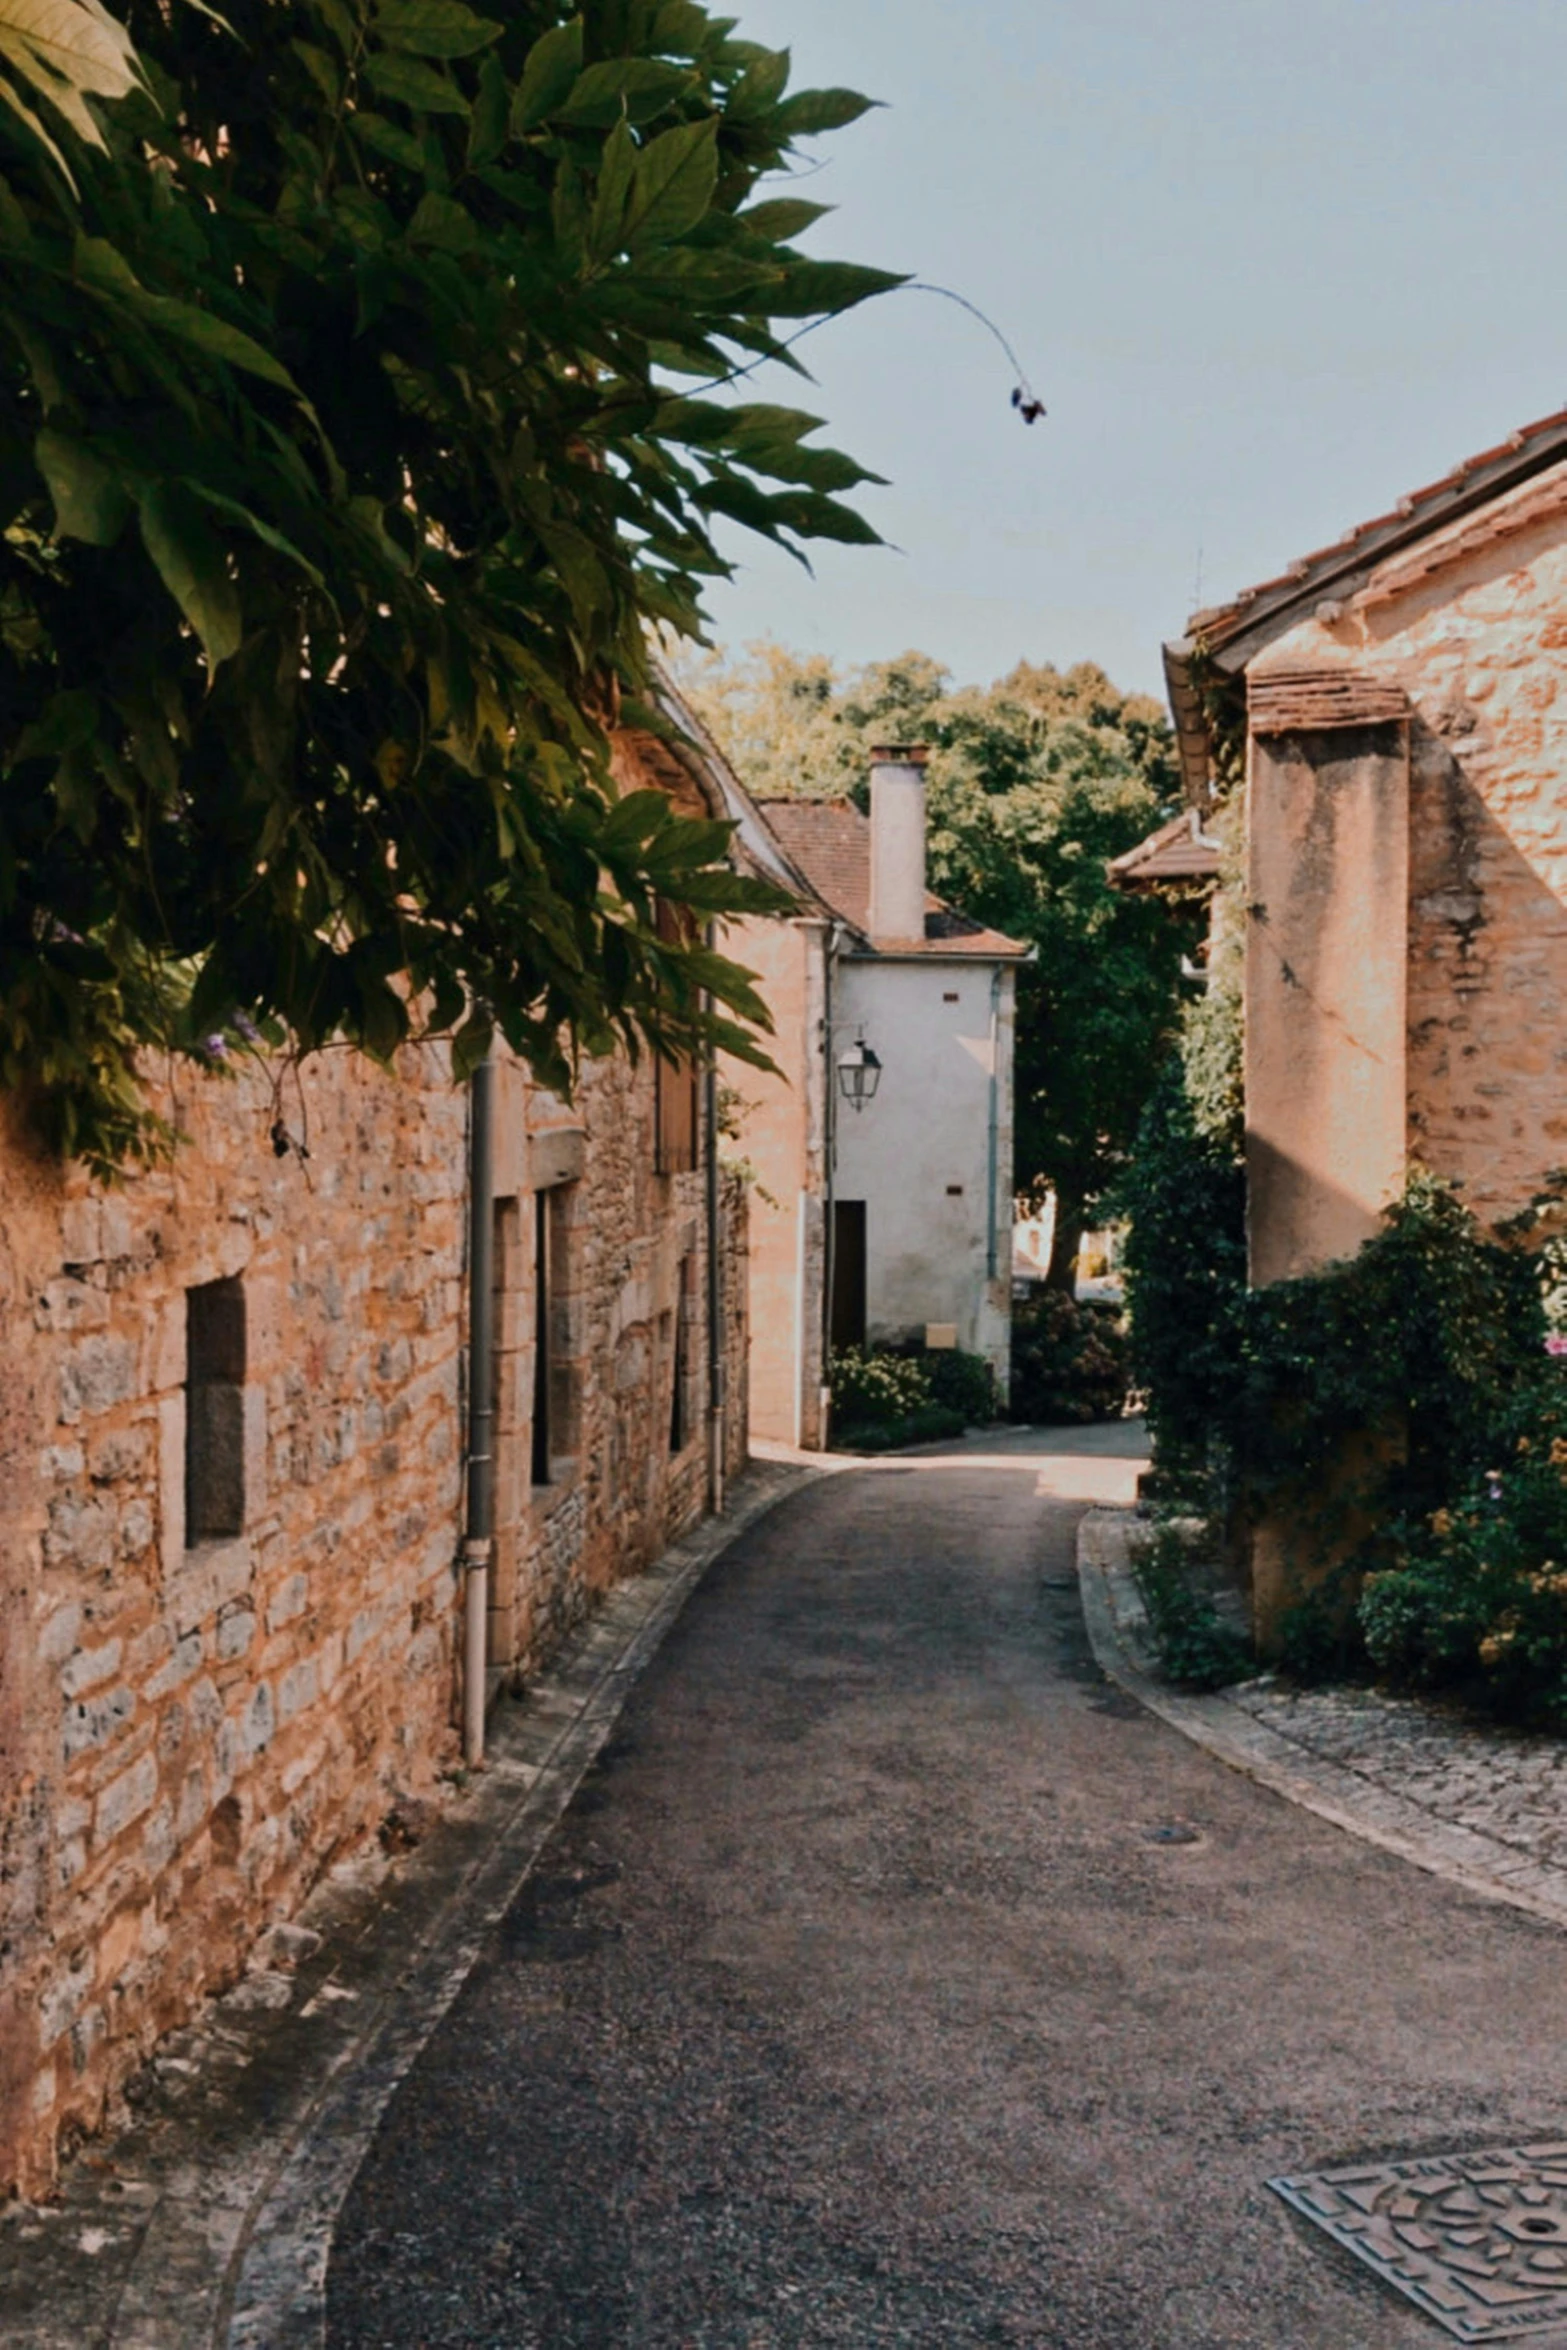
1556 1344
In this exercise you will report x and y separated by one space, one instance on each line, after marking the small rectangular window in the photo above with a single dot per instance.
541 1339
680 1413
214 1411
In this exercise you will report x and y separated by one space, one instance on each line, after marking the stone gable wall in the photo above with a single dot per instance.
191 1733
1477 637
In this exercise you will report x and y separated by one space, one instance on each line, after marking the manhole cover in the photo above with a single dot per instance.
1478 2241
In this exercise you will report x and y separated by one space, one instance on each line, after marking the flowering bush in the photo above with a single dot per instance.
1069 1359
1478 1598
875 1387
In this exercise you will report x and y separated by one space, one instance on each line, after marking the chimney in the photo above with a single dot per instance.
897 843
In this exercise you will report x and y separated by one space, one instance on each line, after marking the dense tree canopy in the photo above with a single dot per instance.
344 458
1035 783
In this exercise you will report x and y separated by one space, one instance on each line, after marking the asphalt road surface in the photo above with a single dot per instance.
863 1997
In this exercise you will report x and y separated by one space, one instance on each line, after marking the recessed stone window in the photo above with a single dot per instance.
682 1414
214 1412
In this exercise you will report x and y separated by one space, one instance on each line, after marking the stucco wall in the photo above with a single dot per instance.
189 1734
1473 626
781 1140
921 1155
1327 855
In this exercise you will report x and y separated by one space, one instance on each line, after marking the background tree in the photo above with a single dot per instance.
1035 783
343 463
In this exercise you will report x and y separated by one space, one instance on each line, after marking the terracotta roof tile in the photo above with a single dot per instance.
1179 851
830 842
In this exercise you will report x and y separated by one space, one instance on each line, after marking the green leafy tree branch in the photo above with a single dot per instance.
345 462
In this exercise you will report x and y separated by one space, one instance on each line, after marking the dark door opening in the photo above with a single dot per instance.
846 1318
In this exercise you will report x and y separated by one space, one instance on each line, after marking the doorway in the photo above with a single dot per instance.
846 1316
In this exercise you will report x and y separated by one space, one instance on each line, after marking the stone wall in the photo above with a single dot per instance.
1472 624
197 1714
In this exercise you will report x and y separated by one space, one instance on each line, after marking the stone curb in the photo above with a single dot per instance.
232 2216
1349 1799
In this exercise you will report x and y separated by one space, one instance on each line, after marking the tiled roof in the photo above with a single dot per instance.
1179 851
1231 634
830 842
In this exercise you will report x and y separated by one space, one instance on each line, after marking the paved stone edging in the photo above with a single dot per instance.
1353 1799
228 2204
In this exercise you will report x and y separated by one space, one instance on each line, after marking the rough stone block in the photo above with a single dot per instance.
95 1375
171 1482
89 1666
71 1306
94 1721
259 1722
81 1531
59 1634
297 1689
183 1660
236 1630
81 1231
125 1799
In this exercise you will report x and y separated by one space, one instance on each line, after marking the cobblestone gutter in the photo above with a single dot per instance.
1482 1807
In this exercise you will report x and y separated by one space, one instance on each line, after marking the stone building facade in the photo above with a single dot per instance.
1405 901
1406 972
231 1470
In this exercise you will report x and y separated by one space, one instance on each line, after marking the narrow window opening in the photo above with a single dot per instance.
541 1338
680 1400
214 1411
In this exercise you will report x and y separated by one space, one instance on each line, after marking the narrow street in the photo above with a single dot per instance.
864 1998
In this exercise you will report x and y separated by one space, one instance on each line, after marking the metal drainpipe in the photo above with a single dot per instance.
995 1116
830 1160
479 1536
715 1287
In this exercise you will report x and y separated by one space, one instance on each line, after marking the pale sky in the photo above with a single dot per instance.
1270 263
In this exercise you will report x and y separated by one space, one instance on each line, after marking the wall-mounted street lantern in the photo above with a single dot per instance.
859 1073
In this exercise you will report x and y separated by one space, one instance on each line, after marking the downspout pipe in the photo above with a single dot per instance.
479 1531
716 1400
993 1139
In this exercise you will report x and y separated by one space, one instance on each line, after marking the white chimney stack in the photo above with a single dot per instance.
897 843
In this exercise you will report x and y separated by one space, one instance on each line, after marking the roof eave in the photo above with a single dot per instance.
1231 635
1191 724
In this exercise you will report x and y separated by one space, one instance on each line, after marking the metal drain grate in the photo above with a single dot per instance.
1478 2241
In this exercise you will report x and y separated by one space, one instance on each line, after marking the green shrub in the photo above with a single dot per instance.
884 1399
1477 1598
1194 1647
1184 1264
930 1425
1069 1359
961 1383
1319 1637
868 1389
